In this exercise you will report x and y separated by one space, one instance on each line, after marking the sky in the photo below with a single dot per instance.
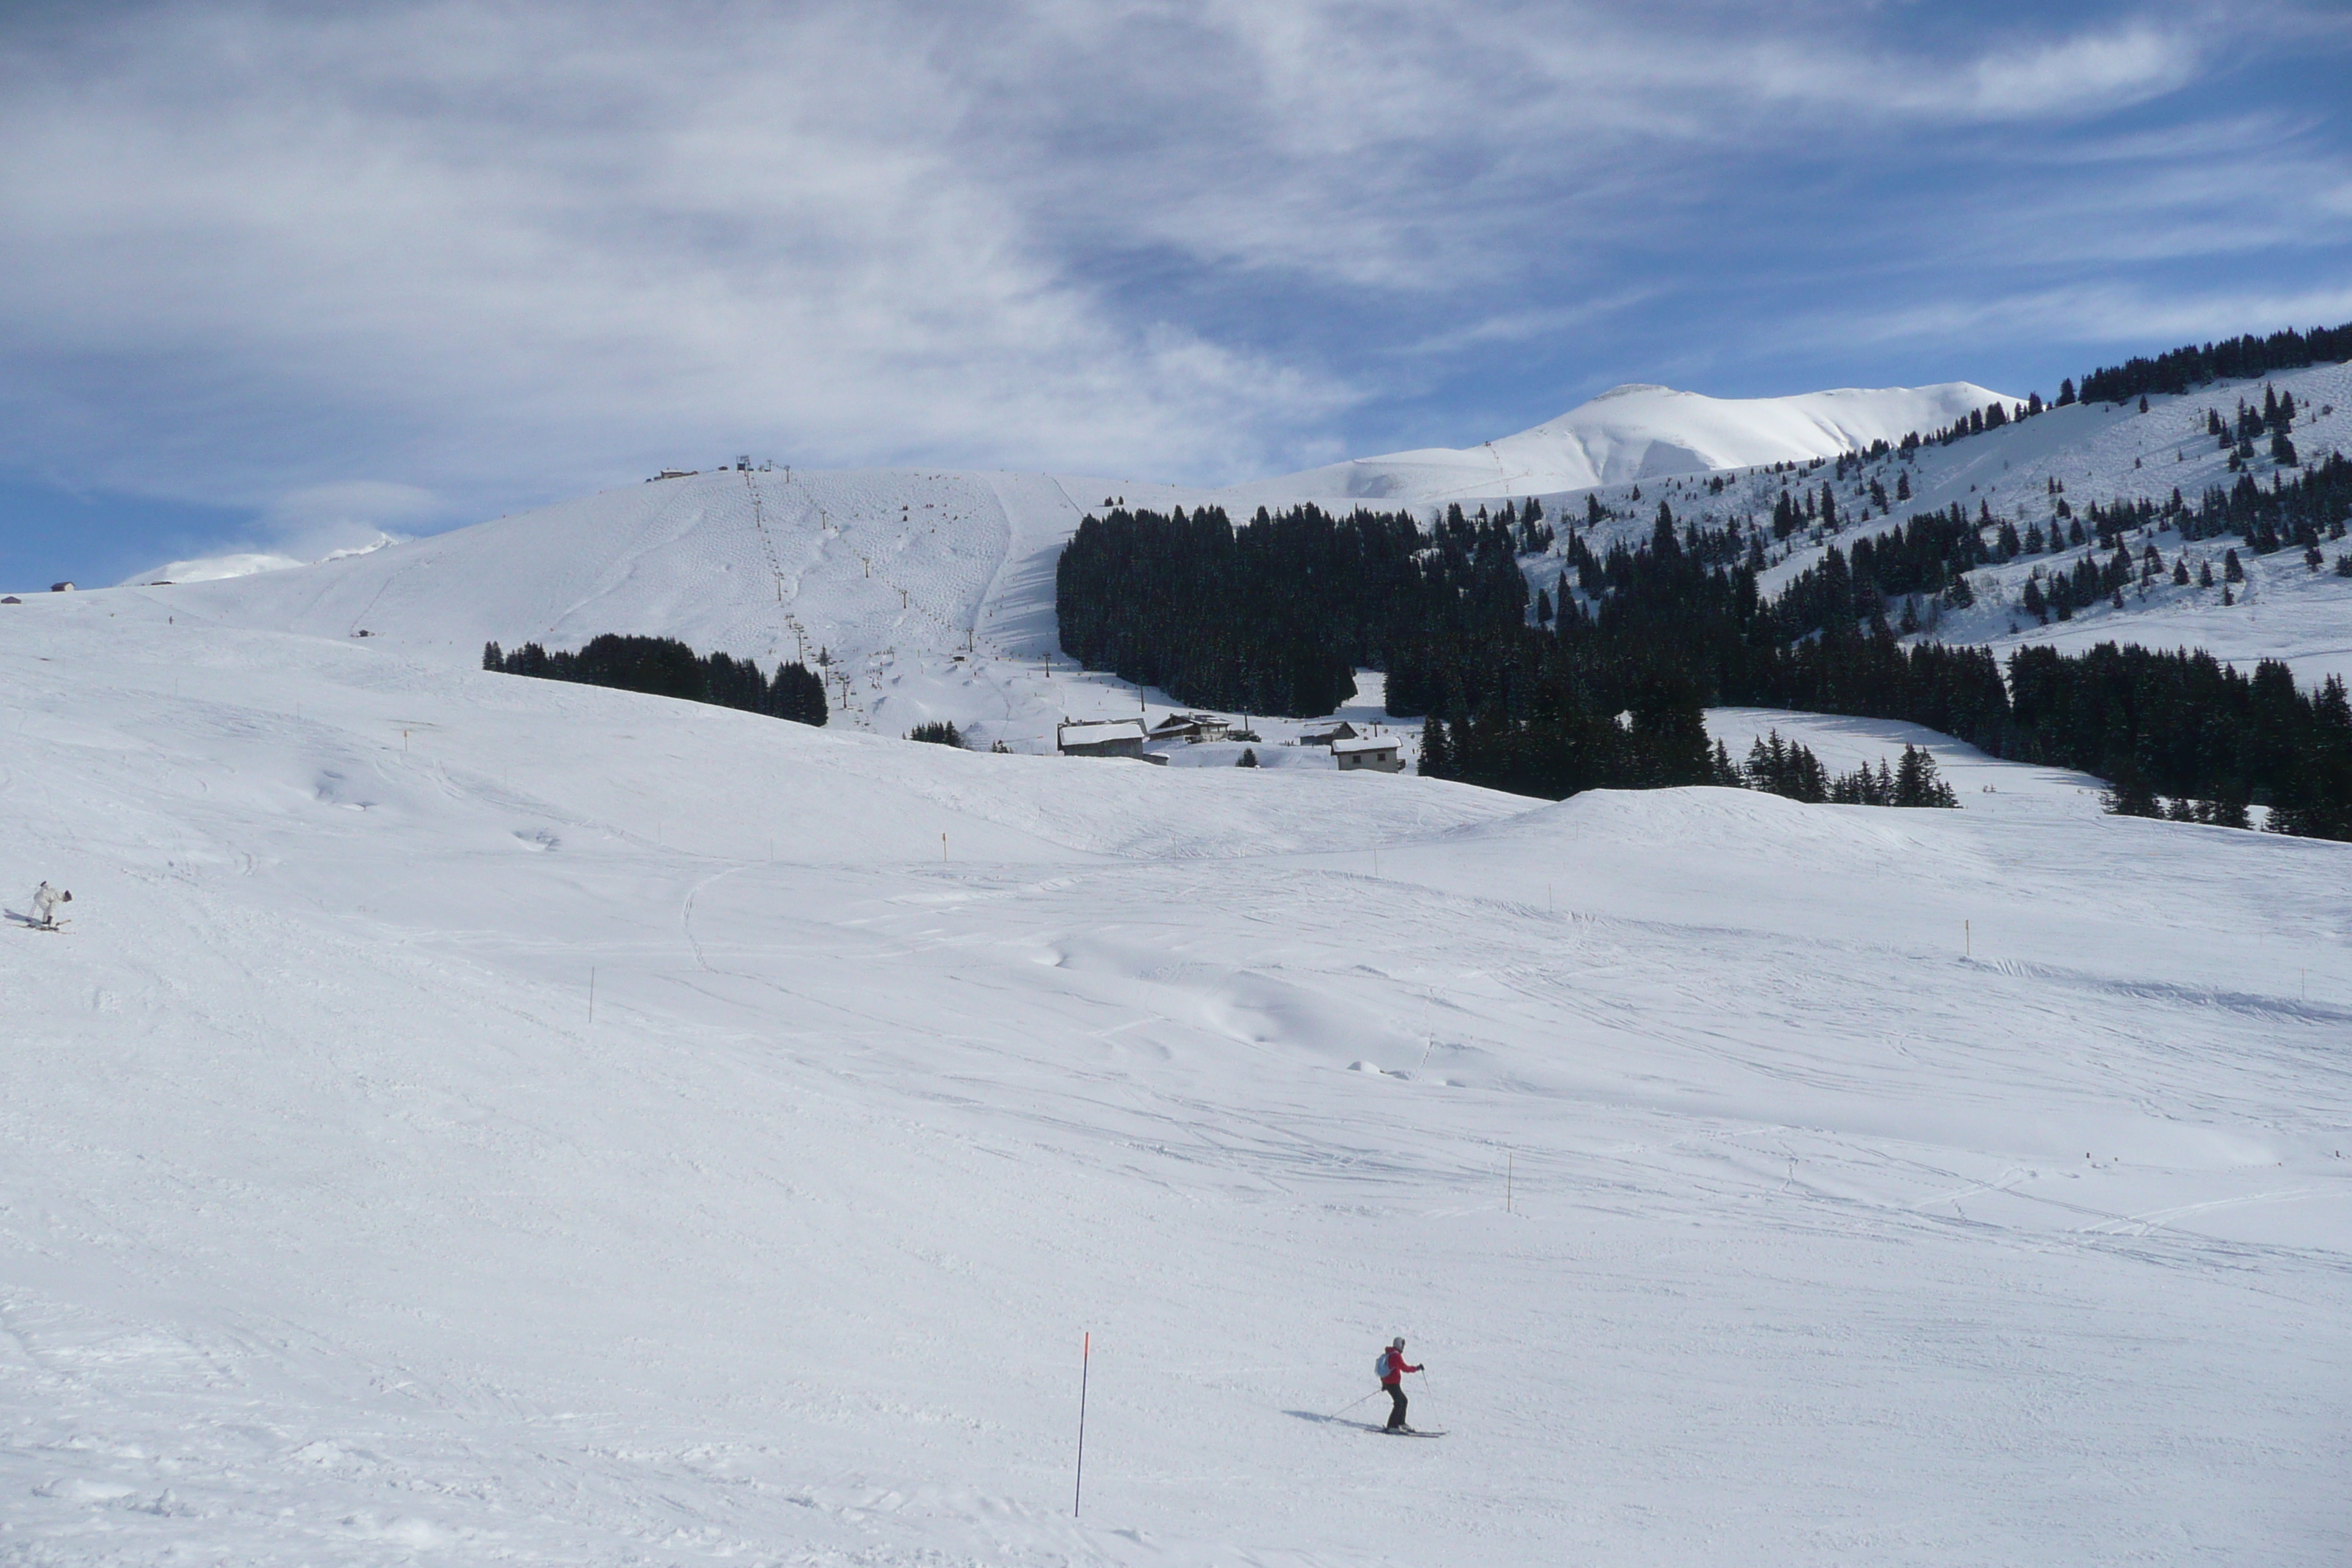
284 278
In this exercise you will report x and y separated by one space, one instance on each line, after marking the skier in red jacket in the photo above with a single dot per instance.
1393 1367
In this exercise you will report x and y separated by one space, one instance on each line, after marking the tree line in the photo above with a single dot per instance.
2235 359
1277 615
1790 768
664 667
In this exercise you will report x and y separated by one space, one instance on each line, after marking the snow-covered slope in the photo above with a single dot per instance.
480 1119
1642 433
930 594
2098 453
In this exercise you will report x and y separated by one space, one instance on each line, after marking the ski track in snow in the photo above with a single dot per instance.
337 1232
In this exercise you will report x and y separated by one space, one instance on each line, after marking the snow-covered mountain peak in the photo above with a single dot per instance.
1641 431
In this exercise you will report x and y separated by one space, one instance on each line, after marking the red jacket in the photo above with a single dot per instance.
1393 1368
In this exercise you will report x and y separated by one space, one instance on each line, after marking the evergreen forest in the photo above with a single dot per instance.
664 667
1607 689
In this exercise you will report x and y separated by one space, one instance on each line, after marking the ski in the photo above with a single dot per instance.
1396 1431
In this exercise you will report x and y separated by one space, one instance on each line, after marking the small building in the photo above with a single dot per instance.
1377 753
61 587
1343 730
1108 738
1191 728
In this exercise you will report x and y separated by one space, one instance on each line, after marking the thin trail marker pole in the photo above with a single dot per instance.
943 848
1086 1364
1968 941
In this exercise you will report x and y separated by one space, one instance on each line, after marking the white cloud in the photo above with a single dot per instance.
482 250
318 521
442 246
2117 314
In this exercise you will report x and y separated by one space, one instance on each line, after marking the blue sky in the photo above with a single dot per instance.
278 275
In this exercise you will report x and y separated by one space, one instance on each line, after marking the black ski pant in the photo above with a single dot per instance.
1396 1404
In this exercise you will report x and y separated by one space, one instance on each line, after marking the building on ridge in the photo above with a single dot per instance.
1374 754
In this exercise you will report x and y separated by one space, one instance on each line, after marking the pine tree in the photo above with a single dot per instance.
2130 797
1436 756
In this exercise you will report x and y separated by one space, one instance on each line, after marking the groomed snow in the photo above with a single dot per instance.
1919 1187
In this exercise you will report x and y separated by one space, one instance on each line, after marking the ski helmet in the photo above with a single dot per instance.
1397 1343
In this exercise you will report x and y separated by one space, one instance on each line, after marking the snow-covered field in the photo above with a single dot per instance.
1883 1187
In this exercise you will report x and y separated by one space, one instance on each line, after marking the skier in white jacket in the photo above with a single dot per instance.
46 900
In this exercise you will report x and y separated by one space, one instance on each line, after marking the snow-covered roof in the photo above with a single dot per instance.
1365 743
1099 734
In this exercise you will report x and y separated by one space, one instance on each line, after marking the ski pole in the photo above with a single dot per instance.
1349 1405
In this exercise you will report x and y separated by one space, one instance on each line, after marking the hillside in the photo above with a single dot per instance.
2098 453
1915 1187
931 593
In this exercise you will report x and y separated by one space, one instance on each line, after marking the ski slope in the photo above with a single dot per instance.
1898 1187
